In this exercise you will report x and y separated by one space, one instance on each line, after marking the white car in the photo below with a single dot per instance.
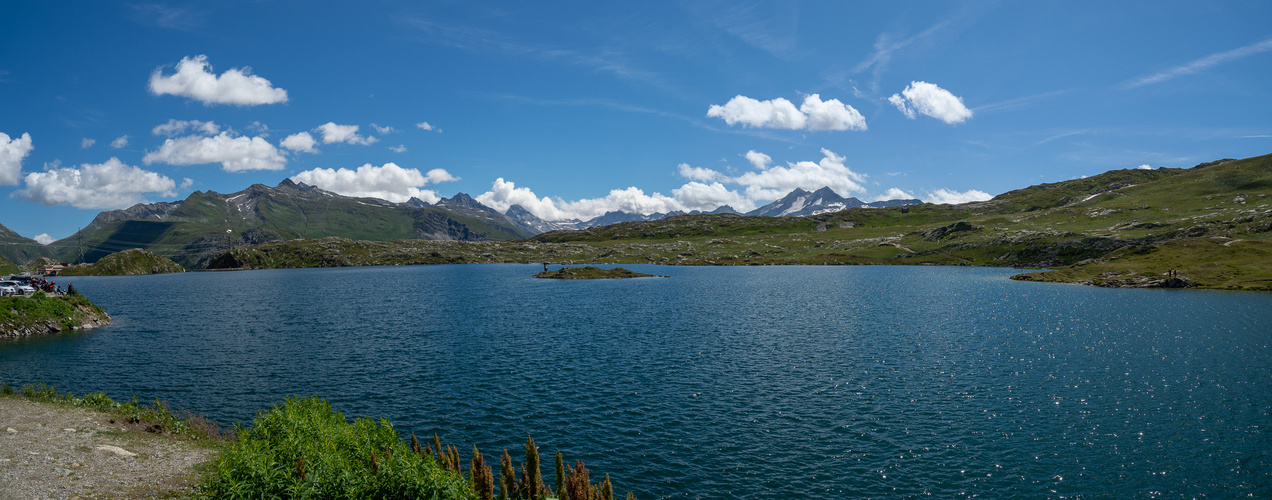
19 287
6 289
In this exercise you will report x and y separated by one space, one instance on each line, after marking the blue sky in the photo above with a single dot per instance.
573 109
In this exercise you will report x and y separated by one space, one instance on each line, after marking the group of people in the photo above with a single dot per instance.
43 285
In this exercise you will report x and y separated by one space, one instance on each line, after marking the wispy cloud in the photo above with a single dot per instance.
1201 64
606 60
888 44
1020 102
175 18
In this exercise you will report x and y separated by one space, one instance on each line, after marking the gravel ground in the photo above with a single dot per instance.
50 451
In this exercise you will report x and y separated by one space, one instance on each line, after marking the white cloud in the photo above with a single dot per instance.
400 148
760 160
707 197
383 130
43 238
830 172
901 105
236 86
831 115
425 126
119 142
774 113
707 190
300 142
504 194
699 174
186 183
931 100
813 114
108 185
895 194
348 134
1145 167
389 182
632 200
176 127
235 154
950 197
87 143
12 152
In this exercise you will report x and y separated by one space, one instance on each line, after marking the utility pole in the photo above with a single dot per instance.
79 243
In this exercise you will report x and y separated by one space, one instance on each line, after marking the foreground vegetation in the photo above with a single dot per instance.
39 313
302 448
1212 223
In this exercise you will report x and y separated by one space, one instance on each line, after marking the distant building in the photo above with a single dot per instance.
52 269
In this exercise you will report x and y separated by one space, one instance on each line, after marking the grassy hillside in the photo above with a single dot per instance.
126 263
206 223
1121 228
17 249
7 267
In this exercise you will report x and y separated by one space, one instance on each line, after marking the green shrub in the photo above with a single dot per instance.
303 449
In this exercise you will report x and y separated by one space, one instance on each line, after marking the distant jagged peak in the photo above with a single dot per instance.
463 199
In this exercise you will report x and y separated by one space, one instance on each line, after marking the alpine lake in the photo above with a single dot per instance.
722 382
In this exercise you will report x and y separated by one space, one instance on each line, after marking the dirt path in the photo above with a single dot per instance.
50 451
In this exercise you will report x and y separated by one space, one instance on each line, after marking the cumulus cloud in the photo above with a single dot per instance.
831 115
950 197
383 130
300 142
895 194
426 127
176 127
699 174
348 134
235 154
389 182
108 185
760 160
195 80
43 238
706 197
813 114
928 99
400 148
87 143
830 172
707 190
1145 167
504 194
773 113
12 152
119 142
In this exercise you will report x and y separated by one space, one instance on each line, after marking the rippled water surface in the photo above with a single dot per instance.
742 382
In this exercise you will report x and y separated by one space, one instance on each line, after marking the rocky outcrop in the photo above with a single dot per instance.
41 315
938 233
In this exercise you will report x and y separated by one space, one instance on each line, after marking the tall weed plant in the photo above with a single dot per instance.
303 449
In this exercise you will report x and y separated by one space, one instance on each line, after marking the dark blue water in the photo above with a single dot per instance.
740 382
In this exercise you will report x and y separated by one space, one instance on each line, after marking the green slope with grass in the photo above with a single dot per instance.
1129 226
126 263
206 223
41 314
18 249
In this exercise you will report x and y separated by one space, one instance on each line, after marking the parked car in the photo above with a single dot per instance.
6 289
19 287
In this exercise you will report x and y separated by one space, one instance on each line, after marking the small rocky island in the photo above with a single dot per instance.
592 273
43 314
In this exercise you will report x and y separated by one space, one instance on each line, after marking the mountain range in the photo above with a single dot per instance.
190 231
